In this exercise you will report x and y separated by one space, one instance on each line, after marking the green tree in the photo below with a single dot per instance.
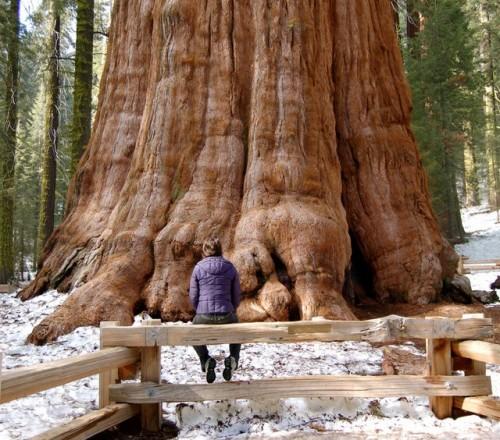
490 51
440 62
8 145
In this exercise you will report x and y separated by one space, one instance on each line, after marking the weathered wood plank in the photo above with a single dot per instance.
123 336
387 329
482 261
150 372
92 423
439 363
483 405
7 288
24 381
110 376
476 367
305 386
478 350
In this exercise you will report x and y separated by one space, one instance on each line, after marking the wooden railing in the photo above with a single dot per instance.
452 344
466 265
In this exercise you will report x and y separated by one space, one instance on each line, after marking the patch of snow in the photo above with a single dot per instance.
484 241
239 419
404 417
24 418
482 280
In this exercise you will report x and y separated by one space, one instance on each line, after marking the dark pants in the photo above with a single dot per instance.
228 318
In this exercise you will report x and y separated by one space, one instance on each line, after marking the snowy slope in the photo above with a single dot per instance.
398 417
484 243
405 417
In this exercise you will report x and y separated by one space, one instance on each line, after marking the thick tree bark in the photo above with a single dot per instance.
50 144
82 95
385 188
248 107
8 147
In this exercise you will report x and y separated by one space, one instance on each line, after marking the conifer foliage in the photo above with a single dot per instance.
449 53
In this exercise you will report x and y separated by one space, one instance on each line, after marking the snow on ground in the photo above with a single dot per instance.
484 243
26 417
405 417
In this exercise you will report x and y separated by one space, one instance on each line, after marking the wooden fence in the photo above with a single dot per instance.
452 344
466 265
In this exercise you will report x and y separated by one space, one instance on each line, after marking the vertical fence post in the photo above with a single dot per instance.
470 367
476 367
439 363
150 372
108 377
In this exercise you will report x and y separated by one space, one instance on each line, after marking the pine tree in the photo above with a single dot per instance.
440 61
8 145
490 52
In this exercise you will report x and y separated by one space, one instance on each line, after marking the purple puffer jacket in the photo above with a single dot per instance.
215 286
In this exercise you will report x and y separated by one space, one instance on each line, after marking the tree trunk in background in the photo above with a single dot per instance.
82 95
472 174
452 220
493 143
50 144
229 119
8 147
463 187
412 19
21 254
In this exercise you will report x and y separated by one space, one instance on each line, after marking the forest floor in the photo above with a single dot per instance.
350 418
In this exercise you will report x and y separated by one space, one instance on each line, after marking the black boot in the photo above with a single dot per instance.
210 369
230 364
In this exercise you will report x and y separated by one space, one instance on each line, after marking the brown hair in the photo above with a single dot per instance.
212 248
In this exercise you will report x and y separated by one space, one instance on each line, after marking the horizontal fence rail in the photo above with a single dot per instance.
477 350
306 386
451 344
484 405
24 381
92 423
391 328
467 266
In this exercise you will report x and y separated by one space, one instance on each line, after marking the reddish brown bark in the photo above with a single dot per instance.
384 187
237 135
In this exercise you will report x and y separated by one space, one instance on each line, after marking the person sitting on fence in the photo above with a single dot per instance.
215 294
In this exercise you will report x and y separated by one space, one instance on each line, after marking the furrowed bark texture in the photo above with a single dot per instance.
384 184
82 94
51 136
248 108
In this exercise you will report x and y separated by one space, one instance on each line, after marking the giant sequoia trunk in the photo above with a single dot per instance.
283 128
